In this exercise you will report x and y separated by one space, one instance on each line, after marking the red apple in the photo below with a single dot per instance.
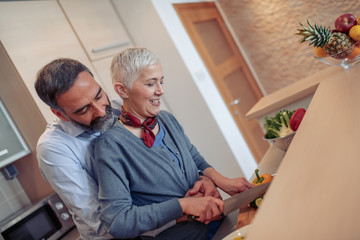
345 22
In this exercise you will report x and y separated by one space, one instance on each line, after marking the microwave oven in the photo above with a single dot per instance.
49 219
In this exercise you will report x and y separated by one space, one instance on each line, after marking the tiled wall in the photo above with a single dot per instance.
12 197
266 31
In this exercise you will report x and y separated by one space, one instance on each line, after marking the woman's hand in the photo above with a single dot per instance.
229 185
203 187
233 186
206 209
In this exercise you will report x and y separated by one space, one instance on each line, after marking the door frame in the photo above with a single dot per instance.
205 84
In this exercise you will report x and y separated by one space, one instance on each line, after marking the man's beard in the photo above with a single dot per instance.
99 124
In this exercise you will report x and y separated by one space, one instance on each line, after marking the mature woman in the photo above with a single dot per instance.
145 163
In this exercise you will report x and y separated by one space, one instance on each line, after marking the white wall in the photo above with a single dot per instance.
190 93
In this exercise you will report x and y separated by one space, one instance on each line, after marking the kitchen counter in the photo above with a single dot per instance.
290 94
269 164
316 191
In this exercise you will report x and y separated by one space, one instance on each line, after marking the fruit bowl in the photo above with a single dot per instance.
282 142
347 62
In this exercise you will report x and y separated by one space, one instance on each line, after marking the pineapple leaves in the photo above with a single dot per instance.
317 35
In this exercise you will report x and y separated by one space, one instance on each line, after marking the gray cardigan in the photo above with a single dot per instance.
139 186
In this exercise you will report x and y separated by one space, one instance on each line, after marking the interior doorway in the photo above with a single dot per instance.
225 63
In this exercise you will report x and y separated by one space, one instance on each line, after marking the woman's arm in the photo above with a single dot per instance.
229 185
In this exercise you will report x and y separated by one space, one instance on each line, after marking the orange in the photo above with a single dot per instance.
320 52
355 52
358 20
354 33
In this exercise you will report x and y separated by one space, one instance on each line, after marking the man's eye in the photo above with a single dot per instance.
84 110
150 84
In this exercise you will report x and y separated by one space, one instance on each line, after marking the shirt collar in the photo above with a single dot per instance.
70 128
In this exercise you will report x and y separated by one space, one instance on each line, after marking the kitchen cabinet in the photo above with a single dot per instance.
35 33
97 26
102 69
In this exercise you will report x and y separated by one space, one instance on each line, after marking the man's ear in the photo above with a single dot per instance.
60 115
121 90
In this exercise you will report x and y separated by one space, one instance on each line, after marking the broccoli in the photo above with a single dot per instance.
278 126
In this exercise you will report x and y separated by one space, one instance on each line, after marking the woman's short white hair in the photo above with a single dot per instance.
127 65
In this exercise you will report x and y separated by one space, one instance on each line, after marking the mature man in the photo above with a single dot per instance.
65 148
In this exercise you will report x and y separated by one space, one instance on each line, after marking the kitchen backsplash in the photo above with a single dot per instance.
266 32
12 197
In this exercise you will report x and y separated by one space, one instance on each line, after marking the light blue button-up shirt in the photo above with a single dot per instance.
64 151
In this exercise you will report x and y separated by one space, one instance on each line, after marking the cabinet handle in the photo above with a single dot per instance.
3 152
99 49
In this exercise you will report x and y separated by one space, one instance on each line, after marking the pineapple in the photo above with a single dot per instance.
338 45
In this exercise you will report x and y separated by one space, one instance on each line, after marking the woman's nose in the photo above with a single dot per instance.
159 89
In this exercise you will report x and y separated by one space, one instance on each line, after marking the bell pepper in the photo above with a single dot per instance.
264 178
296 118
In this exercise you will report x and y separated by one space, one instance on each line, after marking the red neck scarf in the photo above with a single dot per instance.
148 125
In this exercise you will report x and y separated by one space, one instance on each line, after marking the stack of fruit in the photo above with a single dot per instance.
340 43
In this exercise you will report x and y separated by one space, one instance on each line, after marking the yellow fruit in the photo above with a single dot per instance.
355 52
320 52
354 33
238 238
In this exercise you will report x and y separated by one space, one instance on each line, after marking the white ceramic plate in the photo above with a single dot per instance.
238 233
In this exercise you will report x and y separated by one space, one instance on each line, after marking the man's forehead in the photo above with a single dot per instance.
84 90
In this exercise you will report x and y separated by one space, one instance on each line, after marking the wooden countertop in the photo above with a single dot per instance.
315 194
292 93
235 220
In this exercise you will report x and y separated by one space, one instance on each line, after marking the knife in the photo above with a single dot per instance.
244 198
241 199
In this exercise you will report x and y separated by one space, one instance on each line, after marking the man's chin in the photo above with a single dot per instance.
103 125
98 125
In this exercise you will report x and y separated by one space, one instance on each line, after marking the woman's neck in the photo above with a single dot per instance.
129 110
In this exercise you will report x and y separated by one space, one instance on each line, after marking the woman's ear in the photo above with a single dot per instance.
60 115
121 90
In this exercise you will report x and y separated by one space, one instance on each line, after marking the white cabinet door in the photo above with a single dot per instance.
97 25
35 33
102 68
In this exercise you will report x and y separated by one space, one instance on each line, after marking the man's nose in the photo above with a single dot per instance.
99 110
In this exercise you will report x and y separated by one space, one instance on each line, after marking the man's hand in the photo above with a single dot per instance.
203 187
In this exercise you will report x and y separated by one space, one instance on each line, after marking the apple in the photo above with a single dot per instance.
345 22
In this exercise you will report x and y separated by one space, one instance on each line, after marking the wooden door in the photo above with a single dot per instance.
227 67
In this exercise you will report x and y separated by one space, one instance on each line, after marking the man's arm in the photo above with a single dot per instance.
66 175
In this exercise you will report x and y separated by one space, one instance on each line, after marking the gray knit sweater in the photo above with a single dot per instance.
139 186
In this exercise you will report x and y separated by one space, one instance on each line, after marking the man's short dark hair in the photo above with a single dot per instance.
56 78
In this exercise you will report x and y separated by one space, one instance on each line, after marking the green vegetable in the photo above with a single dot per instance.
256 203
259 179
279 125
